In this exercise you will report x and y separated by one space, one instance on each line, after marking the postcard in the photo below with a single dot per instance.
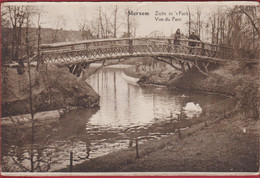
130 88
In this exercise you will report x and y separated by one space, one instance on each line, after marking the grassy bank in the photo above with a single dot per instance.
228 79
224 144
52 88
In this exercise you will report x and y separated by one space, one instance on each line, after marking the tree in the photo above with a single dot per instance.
128 22
31 12
5 33
17 37
131 23
115 21
235 26
243 30
199 22
59 23
84 26
17 15
189 22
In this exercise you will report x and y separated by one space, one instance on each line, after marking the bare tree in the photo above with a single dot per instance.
84 26
243 30
128 22
199 22
194 24
108 25
131 23
237 27
115 21
59 23
189 22
17 16
102 31
5 33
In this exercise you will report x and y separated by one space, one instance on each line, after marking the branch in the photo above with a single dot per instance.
205 66
102 66
251 20
20 165
156 58
196 65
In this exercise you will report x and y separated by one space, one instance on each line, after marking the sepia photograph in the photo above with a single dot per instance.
130 88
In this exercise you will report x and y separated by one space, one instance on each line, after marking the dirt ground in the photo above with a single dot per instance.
225 145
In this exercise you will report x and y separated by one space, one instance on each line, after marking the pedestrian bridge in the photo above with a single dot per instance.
90 51
183 52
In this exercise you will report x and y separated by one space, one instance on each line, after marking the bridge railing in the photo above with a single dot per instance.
132 46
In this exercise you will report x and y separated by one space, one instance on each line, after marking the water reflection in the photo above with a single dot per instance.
52 142
125 105
126 111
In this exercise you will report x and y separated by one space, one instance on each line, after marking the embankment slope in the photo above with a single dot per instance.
53 88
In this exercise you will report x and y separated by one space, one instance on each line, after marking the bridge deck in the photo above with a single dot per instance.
100 49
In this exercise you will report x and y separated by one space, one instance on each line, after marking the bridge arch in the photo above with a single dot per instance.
162 49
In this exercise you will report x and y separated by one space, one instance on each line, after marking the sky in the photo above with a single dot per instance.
72 13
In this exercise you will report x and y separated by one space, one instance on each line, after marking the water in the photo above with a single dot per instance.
126 111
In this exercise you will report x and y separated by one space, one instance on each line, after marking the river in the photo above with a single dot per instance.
126 111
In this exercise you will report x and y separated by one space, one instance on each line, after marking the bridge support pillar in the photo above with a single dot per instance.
202 68
78 69
188 65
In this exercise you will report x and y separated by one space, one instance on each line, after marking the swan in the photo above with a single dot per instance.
192 107
192 110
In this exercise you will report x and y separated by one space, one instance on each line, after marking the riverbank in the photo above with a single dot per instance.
53 88
225 144
229 80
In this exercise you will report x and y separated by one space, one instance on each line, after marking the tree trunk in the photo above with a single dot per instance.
115 21
128 23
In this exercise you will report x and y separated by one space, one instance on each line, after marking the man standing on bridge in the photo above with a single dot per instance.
192 43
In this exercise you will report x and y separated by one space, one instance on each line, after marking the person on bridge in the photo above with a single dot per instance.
193 36
177 37
192 43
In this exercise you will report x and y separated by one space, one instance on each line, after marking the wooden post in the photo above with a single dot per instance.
71 161
182 66
49 85
136 147
224 112
179 132
19 85
189 68
206 125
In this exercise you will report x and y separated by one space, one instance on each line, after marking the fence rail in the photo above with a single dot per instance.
91 50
